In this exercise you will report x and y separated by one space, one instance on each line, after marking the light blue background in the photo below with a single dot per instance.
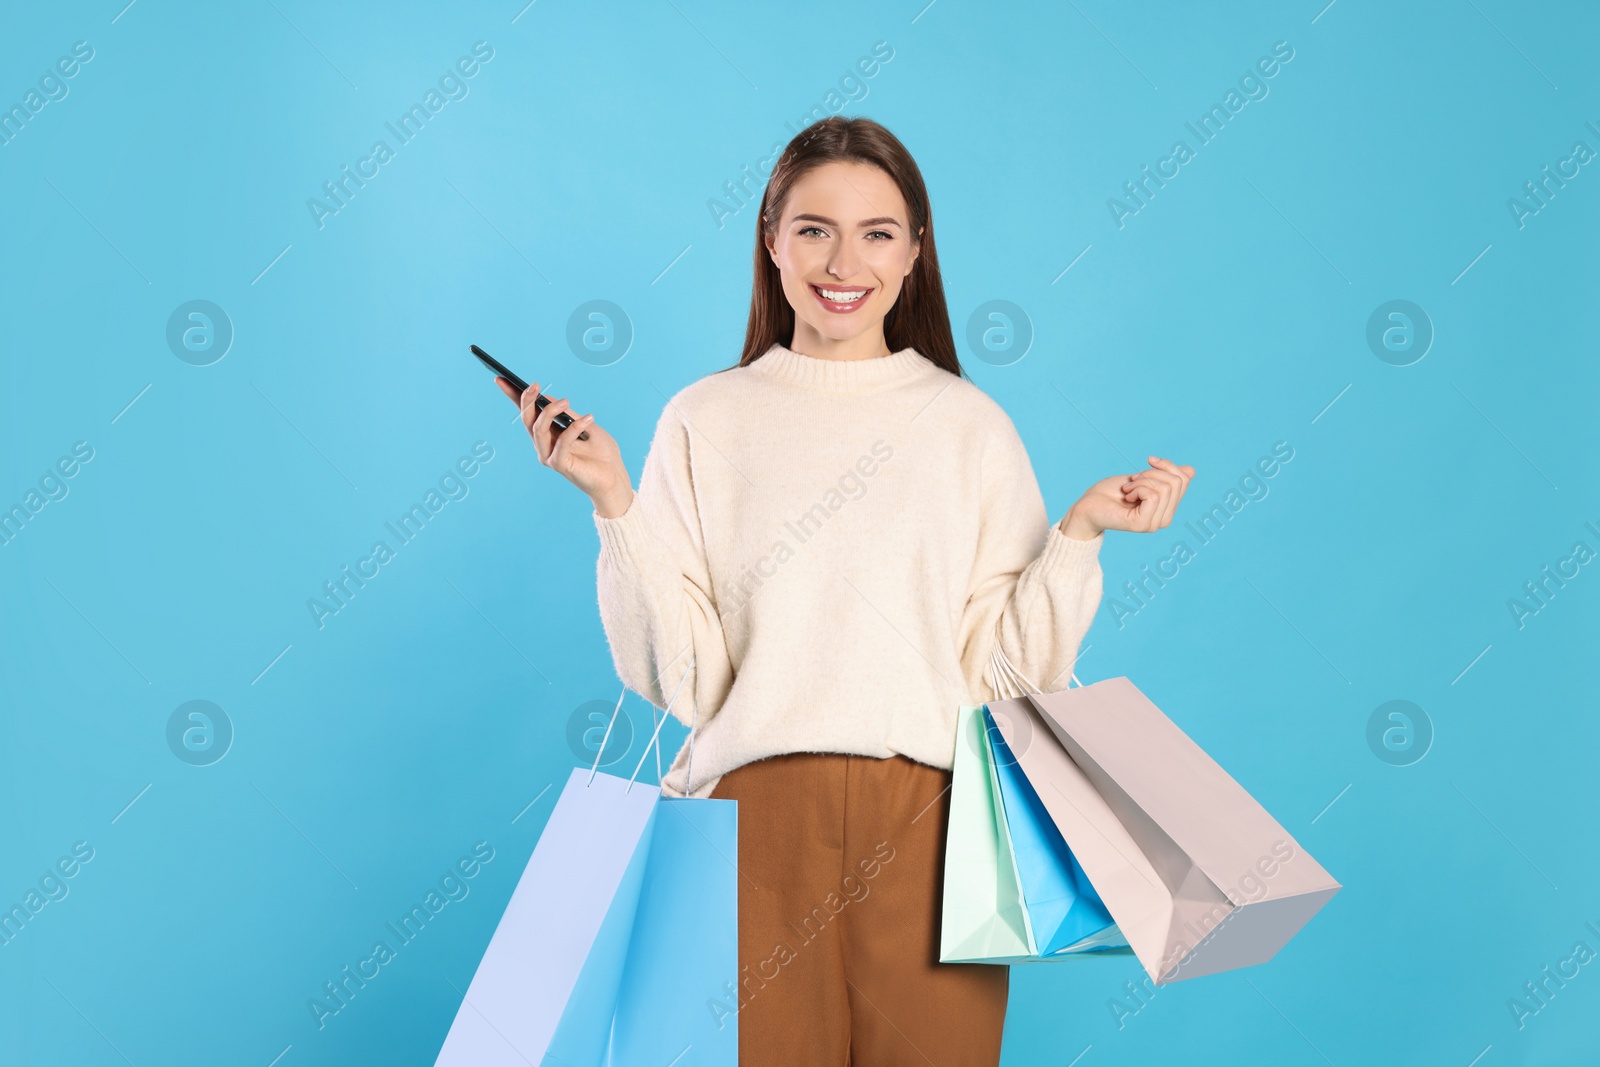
433 711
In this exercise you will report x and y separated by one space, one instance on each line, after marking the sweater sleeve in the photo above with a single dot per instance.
1034 590
654 583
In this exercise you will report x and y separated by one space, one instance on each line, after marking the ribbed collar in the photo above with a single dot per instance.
842 375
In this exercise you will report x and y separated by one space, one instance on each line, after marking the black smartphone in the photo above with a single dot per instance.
562 419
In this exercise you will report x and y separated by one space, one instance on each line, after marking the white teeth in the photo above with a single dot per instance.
840 296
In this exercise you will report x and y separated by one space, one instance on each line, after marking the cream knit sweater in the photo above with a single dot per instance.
836 546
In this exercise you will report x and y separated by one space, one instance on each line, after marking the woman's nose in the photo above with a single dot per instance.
843 263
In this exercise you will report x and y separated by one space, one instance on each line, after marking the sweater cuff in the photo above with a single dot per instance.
628 535
1069 554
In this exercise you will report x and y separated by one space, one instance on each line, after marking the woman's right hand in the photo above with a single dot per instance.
595 465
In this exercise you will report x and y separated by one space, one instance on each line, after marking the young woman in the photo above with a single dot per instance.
829 542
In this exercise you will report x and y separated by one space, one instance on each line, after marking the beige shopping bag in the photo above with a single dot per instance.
1198 876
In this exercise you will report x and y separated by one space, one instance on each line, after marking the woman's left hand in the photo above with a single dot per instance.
1136 503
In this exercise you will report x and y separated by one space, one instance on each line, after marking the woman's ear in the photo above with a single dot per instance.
769 237
916 250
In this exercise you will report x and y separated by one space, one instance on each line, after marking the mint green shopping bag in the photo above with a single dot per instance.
983 917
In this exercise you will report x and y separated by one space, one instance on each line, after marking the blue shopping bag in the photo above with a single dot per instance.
1063 907
620 943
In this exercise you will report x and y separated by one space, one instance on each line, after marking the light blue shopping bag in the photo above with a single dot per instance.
620 943
1063 907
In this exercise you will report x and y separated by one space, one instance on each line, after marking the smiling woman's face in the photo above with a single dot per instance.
843 249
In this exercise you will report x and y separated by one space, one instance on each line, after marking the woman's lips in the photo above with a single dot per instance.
841 307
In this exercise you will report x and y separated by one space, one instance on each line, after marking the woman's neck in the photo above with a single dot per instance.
808 342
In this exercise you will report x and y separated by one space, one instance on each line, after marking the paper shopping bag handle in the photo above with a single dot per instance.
1002 670
654 737
606 737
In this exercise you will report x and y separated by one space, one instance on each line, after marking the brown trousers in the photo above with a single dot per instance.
841 867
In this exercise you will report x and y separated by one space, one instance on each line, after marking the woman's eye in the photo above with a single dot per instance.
808 230
882 233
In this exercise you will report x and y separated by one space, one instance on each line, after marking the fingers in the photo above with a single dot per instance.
1159 479
546 418
1175 482
525 403
543 426
1150 497
1166 465
561 458
1138 495
528 411
1169 505
1162 491
1182 473
1142 498
1171 490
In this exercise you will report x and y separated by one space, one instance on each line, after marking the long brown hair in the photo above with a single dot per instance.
919 318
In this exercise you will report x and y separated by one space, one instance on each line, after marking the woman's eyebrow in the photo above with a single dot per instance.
882 220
